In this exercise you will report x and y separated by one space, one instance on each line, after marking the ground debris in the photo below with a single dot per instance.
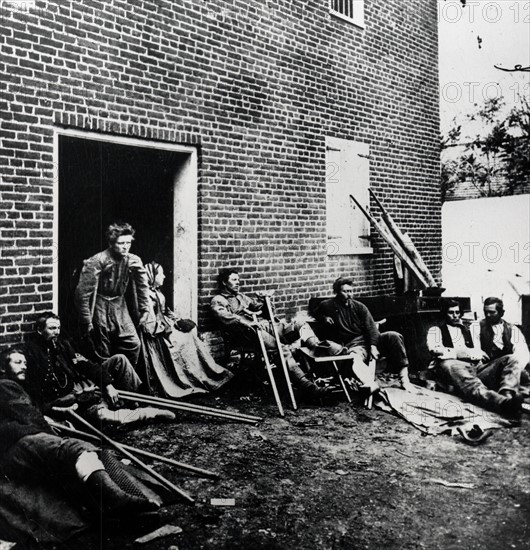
223 501
164 531
257 434
451 484
289 493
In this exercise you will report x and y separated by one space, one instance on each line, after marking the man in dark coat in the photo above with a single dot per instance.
57 374
31 452
350 328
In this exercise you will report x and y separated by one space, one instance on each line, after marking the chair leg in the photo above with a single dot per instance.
341 380
368 402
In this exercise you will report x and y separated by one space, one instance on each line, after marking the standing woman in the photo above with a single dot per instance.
178 361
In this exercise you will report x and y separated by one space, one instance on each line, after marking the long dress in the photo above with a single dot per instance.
179 361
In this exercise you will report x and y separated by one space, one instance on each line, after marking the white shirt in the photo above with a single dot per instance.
459 349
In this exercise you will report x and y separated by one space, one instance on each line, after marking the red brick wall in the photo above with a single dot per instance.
257 85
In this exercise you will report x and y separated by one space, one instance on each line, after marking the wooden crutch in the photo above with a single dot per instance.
180 406
115 445
159 458
268 366
280 351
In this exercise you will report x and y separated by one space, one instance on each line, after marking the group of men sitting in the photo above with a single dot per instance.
48 375
346 325
484 363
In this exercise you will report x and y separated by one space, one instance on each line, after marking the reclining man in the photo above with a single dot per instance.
234 312
58 376
488 375
30 452
350 328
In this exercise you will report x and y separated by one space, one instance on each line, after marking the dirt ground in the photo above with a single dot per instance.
334 477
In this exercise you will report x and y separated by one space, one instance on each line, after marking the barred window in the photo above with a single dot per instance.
349 10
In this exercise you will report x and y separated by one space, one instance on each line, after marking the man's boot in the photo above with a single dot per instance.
308 388
114 500
512 407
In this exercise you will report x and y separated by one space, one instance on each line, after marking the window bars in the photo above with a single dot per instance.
350 10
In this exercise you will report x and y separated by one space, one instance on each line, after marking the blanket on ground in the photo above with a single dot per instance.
435 413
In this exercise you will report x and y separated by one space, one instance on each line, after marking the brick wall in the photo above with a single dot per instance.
257 86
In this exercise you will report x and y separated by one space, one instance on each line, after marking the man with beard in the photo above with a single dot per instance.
59 376
31 452
350 328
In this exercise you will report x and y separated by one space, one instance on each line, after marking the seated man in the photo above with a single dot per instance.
30 452
350 328
58 376
234 313
487 375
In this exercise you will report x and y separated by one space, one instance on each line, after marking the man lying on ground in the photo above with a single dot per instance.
488 374
30 451
350 328
59 376
234 312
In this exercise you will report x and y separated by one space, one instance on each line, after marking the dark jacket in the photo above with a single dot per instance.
53 371
350 322
18 415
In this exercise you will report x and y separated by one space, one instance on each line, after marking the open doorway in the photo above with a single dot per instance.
152 188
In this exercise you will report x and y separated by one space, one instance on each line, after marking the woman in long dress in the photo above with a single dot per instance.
178 361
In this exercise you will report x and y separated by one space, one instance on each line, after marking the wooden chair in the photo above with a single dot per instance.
256 355
310 359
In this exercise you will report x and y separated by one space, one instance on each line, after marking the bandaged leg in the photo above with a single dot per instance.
88 463
365 373
297 331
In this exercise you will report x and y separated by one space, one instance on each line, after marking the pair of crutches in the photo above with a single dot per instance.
268 365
